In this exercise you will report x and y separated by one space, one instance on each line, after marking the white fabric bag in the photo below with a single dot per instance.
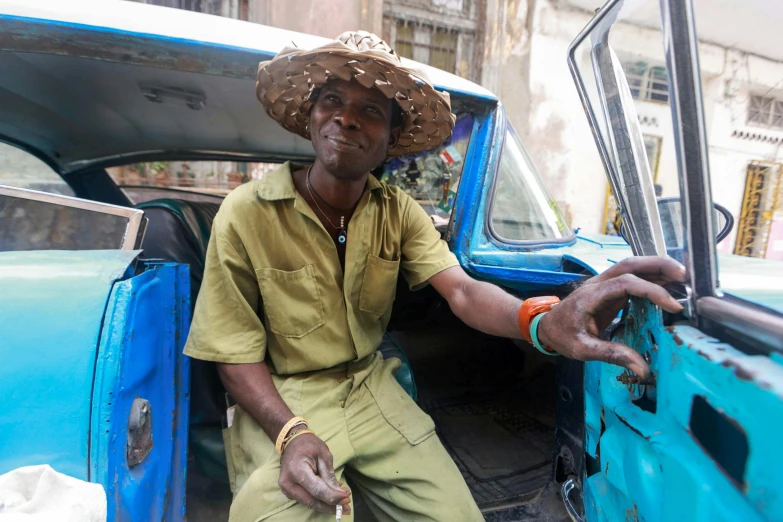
40 494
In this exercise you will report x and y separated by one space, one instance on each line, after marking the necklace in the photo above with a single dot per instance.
342 236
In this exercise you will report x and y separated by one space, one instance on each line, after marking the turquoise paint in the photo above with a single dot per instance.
757 280
650 467
51 311
140 355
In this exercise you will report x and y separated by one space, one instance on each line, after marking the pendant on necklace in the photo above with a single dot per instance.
342 237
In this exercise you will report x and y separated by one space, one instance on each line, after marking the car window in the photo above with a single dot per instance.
21 169
188 180
432 177
522 208
36 221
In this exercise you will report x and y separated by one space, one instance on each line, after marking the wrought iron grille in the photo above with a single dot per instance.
763 187
647 83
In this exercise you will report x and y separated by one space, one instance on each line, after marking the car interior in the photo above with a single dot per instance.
493 400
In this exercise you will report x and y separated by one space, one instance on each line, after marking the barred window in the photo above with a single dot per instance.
435 46
765 112
647 83
238 9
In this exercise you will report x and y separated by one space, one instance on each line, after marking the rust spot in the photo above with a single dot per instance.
607 467
632 428
740 372
702 354
677 339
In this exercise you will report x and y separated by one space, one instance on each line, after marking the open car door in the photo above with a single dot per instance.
698 441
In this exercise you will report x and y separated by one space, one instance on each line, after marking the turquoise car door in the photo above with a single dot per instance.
699 440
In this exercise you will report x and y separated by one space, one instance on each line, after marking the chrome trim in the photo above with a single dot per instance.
751 328
632 185
565 490
682 63
134 230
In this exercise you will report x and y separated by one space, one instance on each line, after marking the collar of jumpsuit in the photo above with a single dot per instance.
294 306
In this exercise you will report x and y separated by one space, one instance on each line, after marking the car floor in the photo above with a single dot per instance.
494 409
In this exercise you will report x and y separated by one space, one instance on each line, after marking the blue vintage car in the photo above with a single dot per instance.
132 122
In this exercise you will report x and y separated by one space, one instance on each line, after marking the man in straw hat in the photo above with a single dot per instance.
299 282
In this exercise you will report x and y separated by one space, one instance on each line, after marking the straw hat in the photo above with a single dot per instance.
286 83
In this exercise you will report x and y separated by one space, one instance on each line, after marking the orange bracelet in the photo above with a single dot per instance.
530 309
284 432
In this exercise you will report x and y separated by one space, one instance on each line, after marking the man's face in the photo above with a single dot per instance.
350 128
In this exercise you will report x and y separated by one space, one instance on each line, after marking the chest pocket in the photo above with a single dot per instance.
379 285
292 301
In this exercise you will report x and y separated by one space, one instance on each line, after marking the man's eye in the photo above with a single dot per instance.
332 97
374 109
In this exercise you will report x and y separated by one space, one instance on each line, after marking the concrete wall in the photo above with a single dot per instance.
328 19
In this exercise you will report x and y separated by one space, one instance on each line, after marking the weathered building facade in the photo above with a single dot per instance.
517 49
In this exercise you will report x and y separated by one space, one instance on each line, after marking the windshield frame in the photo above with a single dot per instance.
505 128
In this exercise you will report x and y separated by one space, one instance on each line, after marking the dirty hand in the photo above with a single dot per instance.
573 327
307 476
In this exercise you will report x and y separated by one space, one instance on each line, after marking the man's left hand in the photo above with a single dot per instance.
573 327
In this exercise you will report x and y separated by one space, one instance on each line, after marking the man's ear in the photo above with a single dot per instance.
394 137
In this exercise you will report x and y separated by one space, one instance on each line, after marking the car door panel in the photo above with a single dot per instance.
694 446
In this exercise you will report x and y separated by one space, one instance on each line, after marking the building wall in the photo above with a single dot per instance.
525 64
327 19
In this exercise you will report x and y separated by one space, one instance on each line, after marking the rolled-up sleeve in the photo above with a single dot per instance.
423 252
226 326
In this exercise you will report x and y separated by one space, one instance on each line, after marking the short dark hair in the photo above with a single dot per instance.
397 117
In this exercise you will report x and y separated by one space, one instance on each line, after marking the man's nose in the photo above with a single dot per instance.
347 118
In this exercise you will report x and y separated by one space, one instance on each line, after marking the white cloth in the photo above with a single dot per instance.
40 494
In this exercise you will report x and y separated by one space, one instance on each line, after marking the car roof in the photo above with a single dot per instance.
73 83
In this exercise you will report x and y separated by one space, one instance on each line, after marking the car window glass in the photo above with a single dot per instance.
23 170
32 221
432 177
522 208
189 180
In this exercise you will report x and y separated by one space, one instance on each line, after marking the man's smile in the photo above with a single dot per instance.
341 143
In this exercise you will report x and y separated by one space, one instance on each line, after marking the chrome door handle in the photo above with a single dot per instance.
565 491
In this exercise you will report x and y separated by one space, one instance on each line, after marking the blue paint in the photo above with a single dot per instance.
651 467
140 355
526 268
51 311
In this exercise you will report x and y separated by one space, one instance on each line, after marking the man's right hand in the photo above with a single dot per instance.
307 476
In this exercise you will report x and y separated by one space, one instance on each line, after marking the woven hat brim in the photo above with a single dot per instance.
286 82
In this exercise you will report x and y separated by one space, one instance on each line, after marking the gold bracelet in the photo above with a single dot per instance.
283 432
292 437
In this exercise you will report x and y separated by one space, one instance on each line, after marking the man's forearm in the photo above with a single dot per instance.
251 386
488 308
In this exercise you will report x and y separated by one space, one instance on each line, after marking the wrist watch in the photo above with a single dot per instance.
530 313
